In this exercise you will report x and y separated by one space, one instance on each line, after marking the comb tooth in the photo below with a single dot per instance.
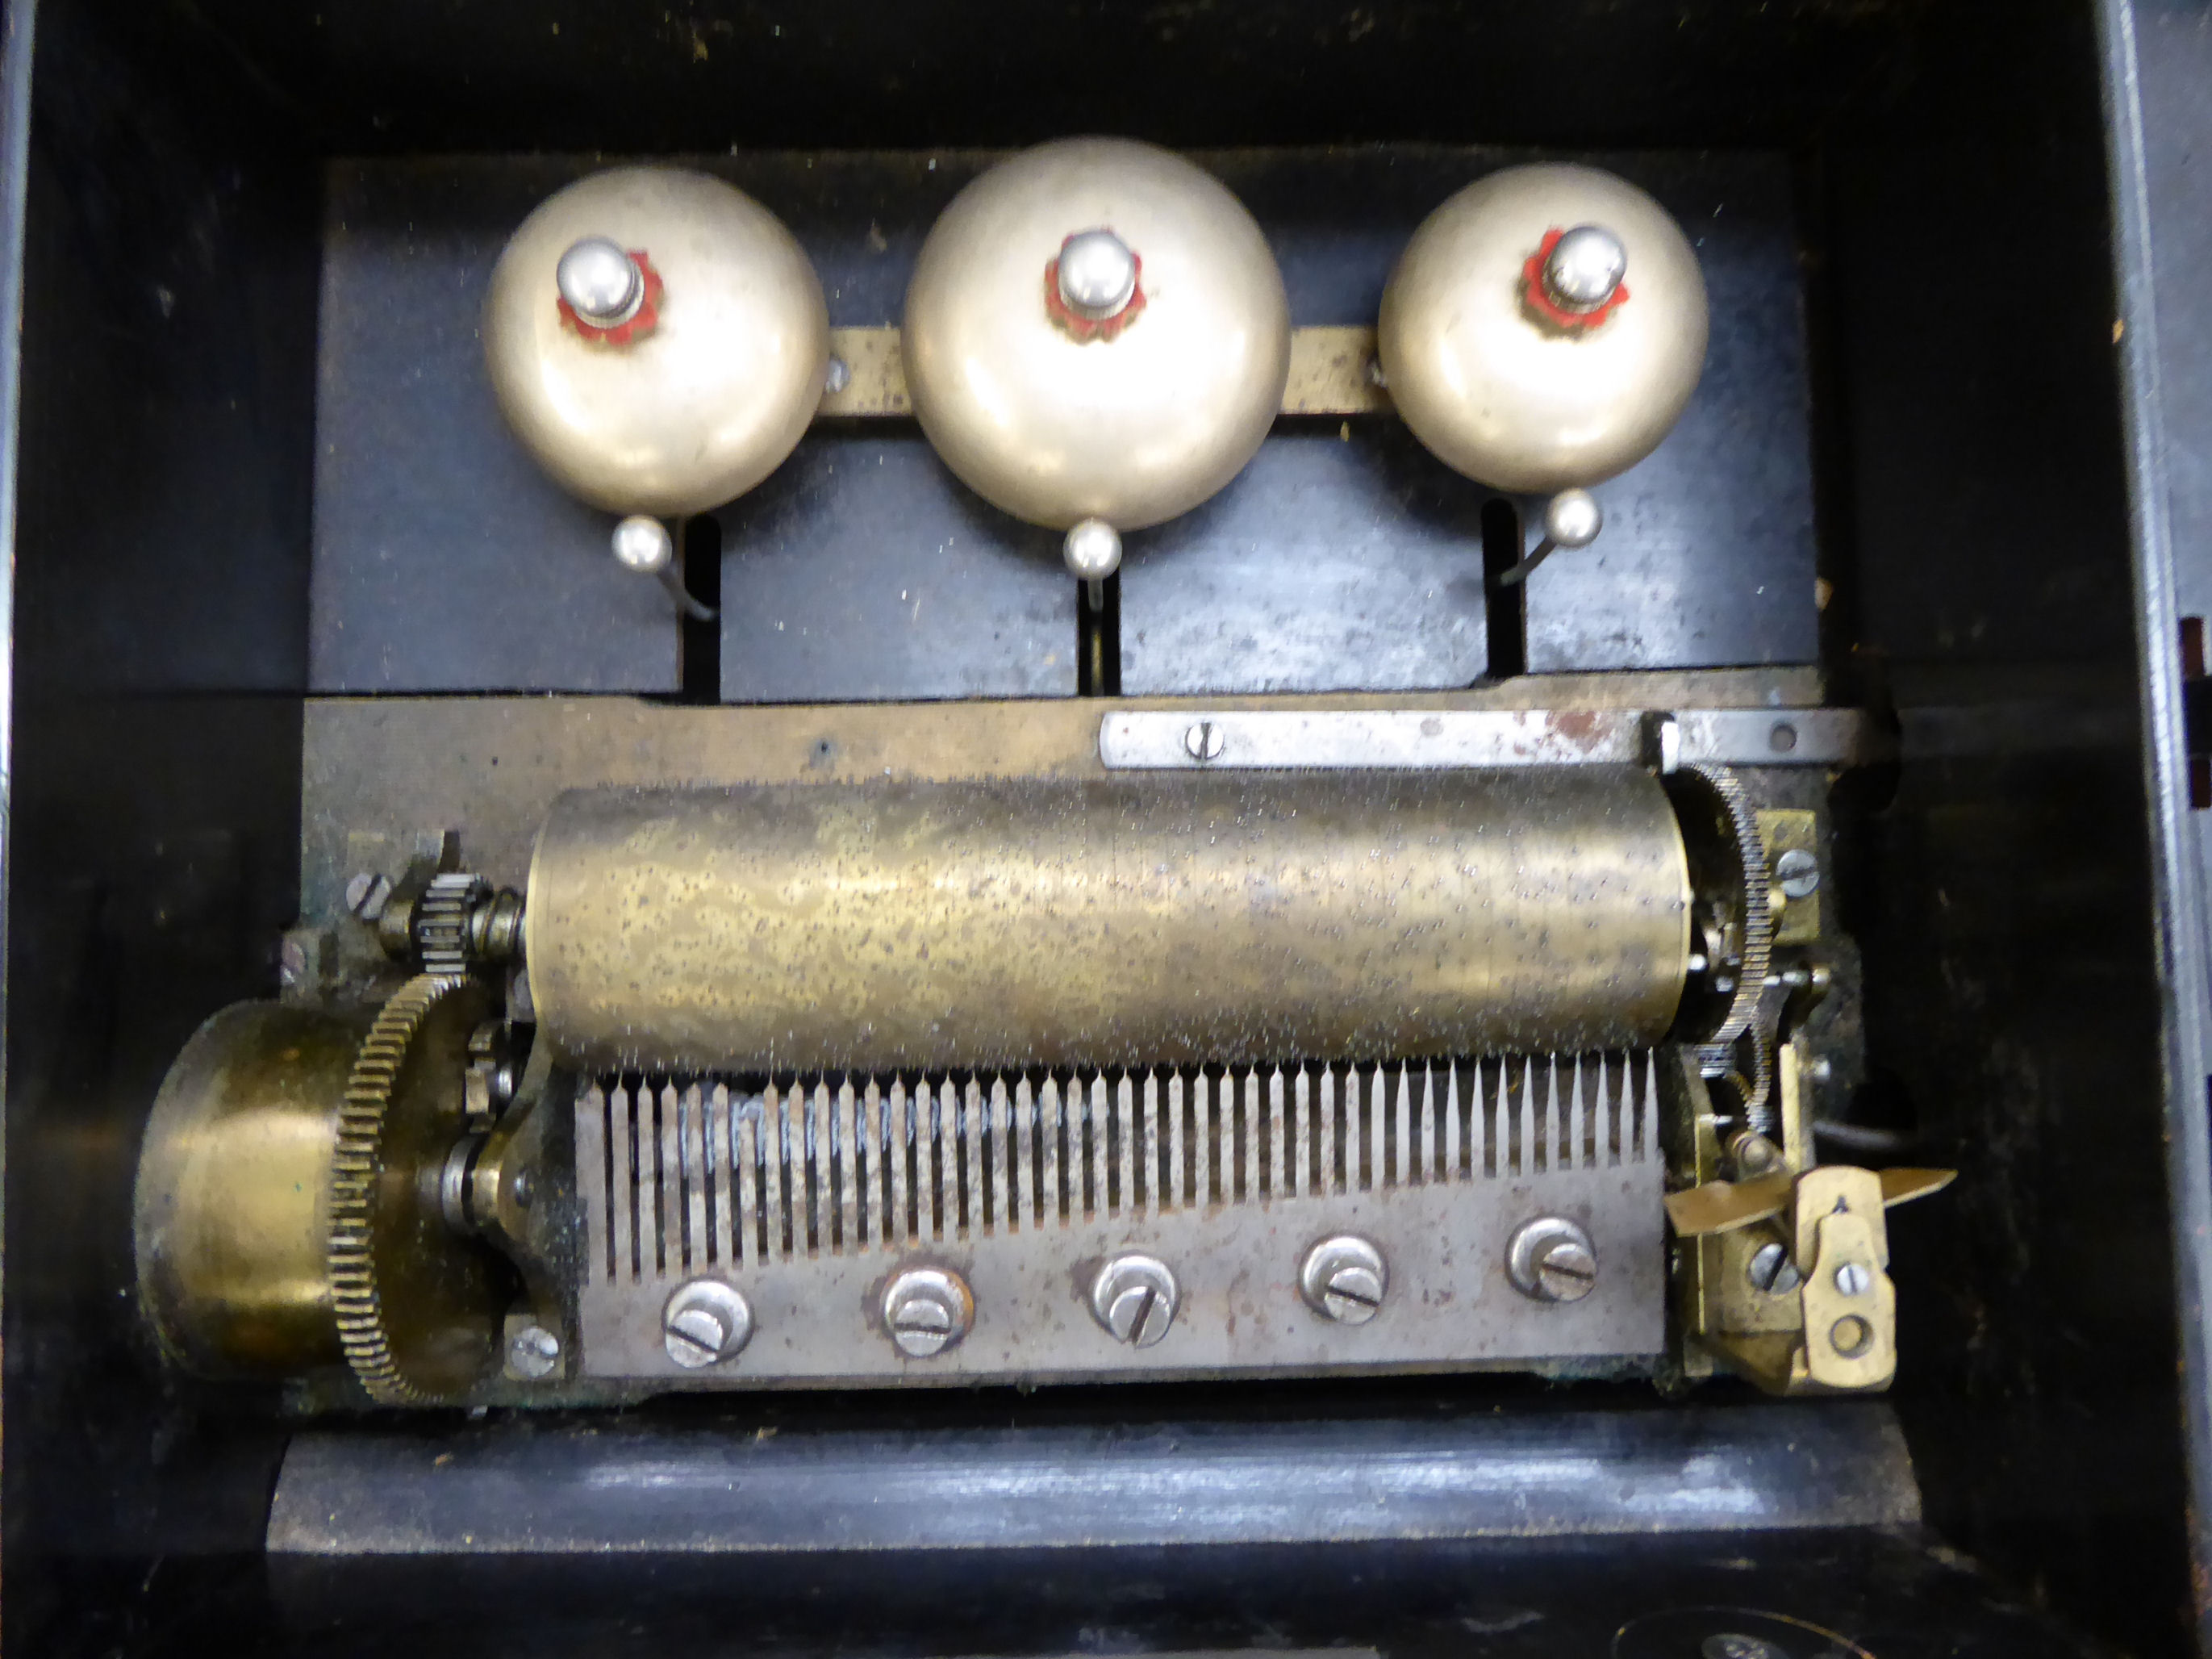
1250 1173
1378 1128
715 1126
1453 1169
898 1125
874 1199
844 1168
1094 1179
1011 1118
1201 1142
1277 1138
1647 1128
820 1111
1179 1192
752 1234
975 1206
1005 1185
1124 1144
928 1179
668 1210
1301 1182
692 1108
1051 1192
592 1180
1555 1117
1332 1128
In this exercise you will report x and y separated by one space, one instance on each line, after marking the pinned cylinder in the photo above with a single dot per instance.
1189 918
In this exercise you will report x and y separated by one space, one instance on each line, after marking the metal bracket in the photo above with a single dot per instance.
1447 740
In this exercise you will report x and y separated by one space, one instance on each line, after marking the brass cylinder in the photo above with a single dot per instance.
232 1210
1173 918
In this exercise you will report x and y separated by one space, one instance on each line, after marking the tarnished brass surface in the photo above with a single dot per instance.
418 1304
1493 390
902 925
240 1209
233 1202
709 403
1333 371
1133 428
378 772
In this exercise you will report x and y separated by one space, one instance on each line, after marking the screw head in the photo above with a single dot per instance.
533 1353
1573 519
1092 550
1552 1259
1345 1279
642 543
365 895
1853 1280
1772 1271
600 282
927 1310
1134 1298
1097 273
705 1322
1585 268
1203 742
1797 872
837 376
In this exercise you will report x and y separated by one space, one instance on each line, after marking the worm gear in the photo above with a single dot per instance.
416 1304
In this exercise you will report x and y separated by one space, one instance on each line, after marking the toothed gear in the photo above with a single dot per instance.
372 1134
1757 932
441 920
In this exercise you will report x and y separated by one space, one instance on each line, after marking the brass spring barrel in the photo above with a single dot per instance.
1160 919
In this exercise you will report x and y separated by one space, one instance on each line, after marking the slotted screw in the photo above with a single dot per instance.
1134 1298
533 1353
1345 1279
705 1322
1552 1259
1203 742
927 1310
1772 1270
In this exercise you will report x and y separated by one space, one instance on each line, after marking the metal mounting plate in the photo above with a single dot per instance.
790 1197
1439 739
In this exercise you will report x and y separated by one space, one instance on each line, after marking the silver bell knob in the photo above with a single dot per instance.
642 543
1097 274
1573 519
600 282
1093 552
1585 268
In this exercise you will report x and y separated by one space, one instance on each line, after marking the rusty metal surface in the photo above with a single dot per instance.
1332 373
378 772
807 1200
1164 919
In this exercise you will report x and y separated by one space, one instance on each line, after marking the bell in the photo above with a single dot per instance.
657 340
1097 339
1544 328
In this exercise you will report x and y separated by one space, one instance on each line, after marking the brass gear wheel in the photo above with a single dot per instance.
1757 922
1727 866
417 1305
